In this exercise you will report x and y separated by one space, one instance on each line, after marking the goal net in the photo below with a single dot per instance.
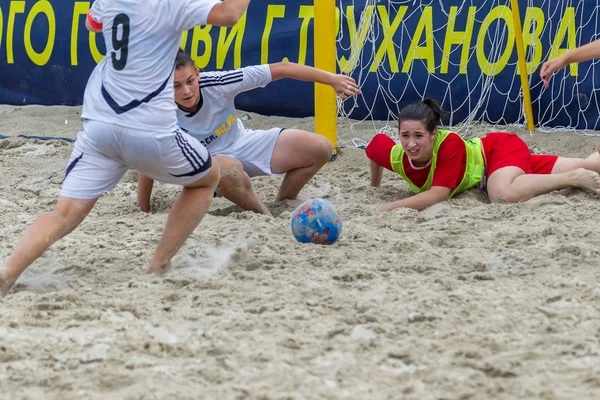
463 53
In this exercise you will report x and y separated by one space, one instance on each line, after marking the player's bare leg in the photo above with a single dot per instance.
187 212
564 164
236 187
144 192
592 162
512 185
41 234
300 155
4 287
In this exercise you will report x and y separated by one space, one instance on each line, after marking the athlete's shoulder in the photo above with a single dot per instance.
220 78
453 136
453 143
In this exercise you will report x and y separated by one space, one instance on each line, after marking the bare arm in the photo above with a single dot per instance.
376 173
579 54
227 13
420 201
343 85
144 192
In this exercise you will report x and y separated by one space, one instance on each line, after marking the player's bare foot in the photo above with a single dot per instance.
265 211
159 269
588 180
291 202
143 206
593 161
5 284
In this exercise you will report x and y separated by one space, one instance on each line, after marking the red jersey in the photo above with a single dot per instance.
449 170
500 150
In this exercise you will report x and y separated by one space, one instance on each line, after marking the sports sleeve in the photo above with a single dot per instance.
187 14
451 162
94 15
247 78
379 150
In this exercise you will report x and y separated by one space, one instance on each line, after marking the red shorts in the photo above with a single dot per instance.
509 150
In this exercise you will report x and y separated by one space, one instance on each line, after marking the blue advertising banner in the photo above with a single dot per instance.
408 51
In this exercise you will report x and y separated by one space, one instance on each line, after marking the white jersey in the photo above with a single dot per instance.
215 123
133 85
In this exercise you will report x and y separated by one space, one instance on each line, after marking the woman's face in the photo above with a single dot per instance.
416 141
186 85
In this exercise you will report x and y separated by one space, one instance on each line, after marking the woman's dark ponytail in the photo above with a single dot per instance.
428 111
183 60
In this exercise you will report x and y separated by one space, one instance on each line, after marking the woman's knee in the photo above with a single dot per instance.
500 186
322 150
327 148
70 212
232 170
504 196
299 149
209 180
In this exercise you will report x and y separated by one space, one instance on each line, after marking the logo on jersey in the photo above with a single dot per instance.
226 126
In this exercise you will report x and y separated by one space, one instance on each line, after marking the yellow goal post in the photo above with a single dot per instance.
325 59
325 52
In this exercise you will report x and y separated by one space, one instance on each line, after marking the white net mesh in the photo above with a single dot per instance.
463 53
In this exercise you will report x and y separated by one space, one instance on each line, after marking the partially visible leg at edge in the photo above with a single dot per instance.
512 185
236 187
187 212
300 155
43 232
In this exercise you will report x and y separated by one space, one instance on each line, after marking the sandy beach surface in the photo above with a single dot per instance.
465 300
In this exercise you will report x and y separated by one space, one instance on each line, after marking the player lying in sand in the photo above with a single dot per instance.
129 121
207 112
437 164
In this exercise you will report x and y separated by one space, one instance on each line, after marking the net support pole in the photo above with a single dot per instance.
325 59
522 63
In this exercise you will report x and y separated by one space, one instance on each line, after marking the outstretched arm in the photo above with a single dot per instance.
227 13
144 192
343 85
579 54
419 201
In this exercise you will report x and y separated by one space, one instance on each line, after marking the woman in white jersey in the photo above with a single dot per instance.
207 112
129 121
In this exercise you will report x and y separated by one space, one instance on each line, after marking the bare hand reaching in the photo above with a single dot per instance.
345 86
550 67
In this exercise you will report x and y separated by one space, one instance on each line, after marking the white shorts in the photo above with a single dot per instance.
104 152
254 149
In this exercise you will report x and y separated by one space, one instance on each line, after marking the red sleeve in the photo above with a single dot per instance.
92 22
379 150
451 162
